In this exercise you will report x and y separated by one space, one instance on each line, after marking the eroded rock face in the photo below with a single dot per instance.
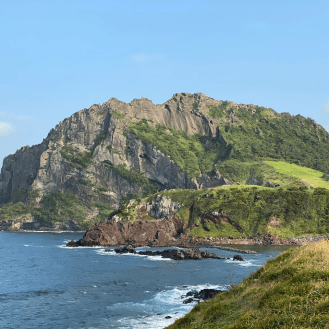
103 132
140 233
162 207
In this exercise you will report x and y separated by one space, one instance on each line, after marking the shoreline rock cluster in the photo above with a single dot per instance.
198 296
175 254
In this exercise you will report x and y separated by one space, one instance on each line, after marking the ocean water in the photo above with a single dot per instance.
44 284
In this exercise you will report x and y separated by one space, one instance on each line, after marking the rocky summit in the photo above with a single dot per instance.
99 158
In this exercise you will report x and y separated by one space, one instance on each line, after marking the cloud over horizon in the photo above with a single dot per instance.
6 128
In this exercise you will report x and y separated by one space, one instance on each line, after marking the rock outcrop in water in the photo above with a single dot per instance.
197 296
174 254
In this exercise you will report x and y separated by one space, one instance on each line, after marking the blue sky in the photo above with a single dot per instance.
58 57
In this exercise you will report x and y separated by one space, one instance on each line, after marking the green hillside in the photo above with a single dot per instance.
242 211
290 291
252 146
246 134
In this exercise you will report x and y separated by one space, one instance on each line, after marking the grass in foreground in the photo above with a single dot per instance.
290 291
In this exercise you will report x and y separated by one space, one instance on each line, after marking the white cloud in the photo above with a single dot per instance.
6 128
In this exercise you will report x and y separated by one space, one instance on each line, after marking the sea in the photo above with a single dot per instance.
44 284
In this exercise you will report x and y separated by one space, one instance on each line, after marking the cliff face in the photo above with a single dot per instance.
97 157
101 156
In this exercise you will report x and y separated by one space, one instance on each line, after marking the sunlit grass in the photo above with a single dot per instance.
290 291
311 176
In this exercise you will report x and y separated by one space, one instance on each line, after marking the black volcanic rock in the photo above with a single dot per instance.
203 294
238 258
174 254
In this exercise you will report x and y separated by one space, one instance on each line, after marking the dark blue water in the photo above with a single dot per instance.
43 284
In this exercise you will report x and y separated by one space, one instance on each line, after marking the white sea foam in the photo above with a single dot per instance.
36 231
81 247
30 245
165 303
103 252
153 258
151 322
30 231
246 263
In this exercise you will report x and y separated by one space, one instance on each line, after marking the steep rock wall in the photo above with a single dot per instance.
83 152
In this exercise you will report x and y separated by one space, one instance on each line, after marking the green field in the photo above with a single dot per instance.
311 176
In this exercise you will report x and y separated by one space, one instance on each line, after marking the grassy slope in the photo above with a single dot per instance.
290 291
300 211
311 176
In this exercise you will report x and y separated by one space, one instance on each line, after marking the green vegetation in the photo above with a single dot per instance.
118 115
60 206
118 153
134 177
11 210
311 176
247 211
188 152
86 182
290 291
55 138
104 209
249 135
87 224
260 133
102 188
195 106
54 207
257 134
245 172
76 159
218 112
30 180
98 141
19 196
